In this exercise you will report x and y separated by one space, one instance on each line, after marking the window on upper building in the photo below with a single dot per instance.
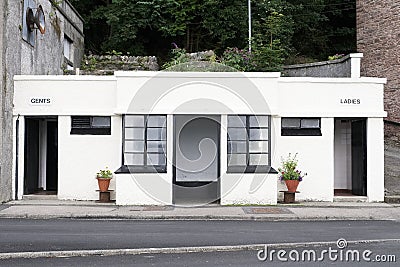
68 53
301 127
145 143
94 125
249 144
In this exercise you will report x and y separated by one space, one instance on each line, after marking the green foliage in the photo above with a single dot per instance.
336 56
178 56
240 59
295 29
106 173
289 170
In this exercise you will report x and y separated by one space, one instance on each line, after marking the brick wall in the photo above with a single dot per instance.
378 37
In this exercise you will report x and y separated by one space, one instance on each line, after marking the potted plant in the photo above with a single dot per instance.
103 178
290 174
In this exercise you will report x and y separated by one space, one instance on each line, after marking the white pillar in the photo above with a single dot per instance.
375 160
356 64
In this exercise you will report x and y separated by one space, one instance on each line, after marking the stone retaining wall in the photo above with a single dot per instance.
107 64
331 68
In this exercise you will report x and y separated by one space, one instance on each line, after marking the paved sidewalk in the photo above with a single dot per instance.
46 209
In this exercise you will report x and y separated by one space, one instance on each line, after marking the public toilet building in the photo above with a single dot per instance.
192 138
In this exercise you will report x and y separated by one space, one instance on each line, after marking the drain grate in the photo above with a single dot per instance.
266 210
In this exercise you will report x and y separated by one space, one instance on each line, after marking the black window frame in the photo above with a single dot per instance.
301 131
145 167
85 126
250 168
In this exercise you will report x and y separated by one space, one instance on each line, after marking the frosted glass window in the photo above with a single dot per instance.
237 159
237 121
258 159
156 134
134 159
145 142
237 134
134 121
134 133
237 147
301 127
290 123
134 146
258 146
258 134
259 121
310 123
156 159
101 121
248 143
156 121
156 146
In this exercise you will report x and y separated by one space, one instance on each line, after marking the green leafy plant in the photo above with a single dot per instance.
114 53
240 59
105 174
289 170
336 56
178 56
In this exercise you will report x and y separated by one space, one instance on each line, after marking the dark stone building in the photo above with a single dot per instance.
51 43
378 38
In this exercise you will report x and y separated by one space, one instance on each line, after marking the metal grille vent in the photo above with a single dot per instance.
80 122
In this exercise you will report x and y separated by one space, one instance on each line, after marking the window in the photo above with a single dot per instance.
248 144
68 53
301 127
145 143
95 125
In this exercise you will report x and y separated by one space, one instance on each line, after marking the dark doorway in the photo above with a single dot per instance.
52 156
41 155
359 157
31 169
196 159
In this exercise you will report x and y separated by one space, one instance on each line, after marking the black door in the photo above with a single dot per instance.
52 157
359 157
31 168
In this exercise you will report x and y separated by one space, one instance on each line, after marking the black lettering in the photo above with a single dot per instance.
48 101
358 101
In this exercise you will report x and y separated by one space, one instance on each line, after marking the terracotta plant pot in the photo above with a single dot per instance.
292 185
104 183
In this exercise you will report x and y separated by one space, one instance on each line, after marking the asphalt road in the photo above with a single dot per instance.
233 259
18 235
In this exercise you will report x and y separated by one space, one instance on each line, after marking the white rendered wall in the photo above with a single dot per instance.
343 154
316 158
144 189
80 157
375 160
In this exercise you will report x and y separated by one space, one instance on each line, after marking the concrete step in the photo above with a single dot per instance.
350 199
39 197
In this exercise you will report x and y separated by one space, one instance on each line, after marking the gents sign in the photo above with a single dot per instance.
350 101
40 101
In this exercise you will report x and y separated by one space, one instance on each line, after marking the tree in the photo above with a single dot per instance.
296 28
